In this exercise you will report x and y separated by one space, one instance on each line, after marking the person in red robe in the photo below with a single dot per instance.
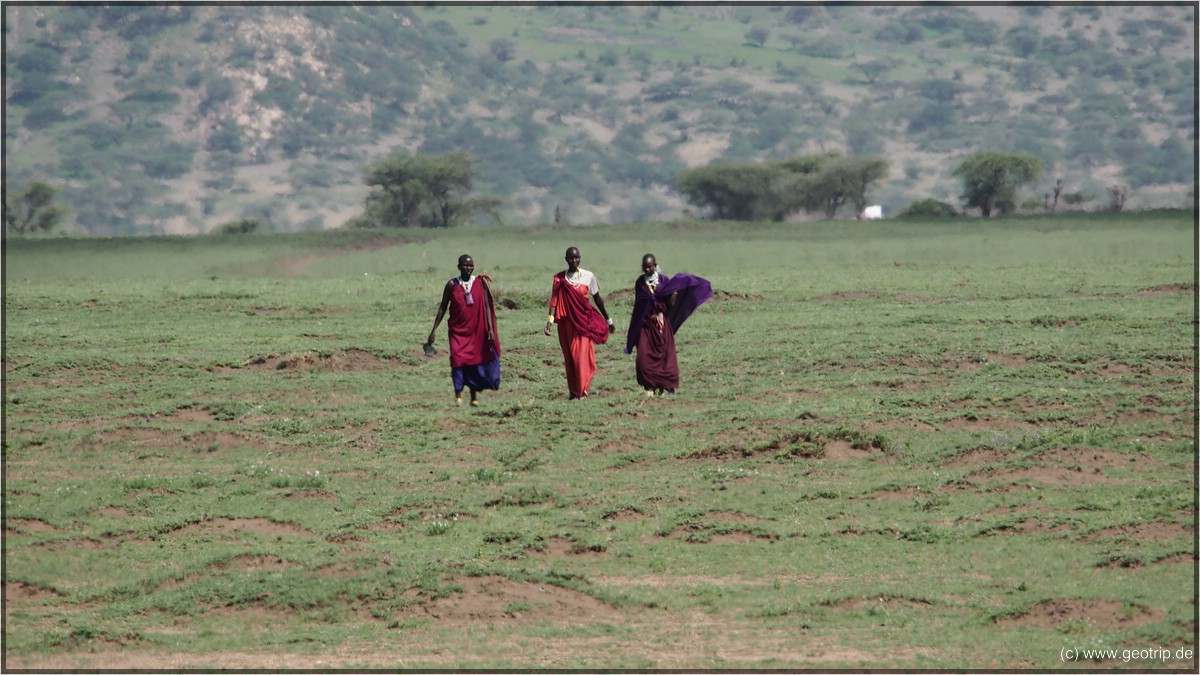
661 303
580 325
474 340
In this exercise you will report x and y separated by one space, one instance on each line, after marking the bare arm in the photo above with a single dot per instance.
550 316
441 313
603 312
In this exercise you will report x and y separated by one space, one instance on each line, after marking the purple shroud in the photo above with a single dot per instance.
693 292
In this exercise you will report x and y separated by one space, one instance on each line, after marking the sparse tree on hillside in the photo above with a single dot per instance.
1117 195
732 191
874 69
837 181
1023 39
985 34
757 36
503 49
32 209
806 14
990 179
774 190
422 190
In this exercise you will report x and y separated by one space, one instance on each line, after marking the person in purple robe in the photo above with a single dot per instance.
661 303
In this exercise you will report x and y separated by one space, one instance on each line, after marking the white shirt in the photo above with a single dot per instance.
583 277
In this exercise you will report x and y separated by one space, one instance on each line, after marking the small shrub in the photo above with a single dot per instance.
927 208
240 226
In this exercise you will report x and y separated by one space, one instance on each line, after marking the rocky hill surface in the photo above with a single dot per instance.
177 118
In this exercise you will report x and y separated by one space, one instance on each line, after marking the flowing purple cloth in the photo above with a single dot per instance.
693 292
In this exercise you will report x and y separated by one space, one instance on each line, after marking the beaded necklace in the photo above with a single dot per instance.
467 288
652 281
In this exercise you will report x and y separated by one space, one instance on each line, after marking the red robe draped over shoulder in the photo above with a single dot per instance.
473 336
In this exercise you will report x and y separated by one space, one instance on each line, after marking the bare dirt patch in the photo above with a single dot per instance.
426 513
1177 559
113 512
252 562
1166 289
878 602
1155 531
1070 467
562 547
844 451
187 416
802 444
159 439
730 516
311 493
896 494
354 360
351 568
20 526
708 581
982 456
737 537
19 591
844 296
626 514
237 526
73 544
501 601
172 584
384 526
1100 459
1055 475
1099 614
706 533
899 424
1034 524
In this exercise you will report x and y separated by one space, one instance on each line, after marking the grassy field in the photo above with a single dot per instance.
896 445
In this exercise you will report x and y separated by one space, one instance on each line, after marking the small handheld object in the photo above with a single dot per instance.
430 350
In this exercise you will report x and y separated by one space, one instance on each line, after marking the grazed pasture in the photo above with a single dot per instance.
928 446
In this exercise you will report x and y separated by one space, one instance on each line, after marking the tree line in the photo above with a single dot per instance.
423 190
436 190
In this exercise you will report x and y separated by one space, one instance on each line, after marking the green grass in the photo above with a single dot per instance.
896 445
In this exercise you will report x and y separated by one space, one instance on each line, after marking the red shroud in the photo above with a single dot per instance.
572 302
473 336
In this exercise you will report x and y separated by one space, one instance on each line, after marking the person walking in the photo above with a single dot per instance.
474 339
580 325
661 303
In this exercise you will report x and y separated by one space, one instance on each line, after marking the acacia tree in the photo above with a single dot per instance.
422 190
32 209
875 68
990 179
774 190
733 191
838 181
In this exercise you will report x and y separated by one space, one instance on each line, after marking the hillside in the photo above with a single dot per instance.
175 119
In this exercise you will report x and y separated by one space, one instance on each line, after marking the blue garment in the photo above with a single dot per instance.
477 378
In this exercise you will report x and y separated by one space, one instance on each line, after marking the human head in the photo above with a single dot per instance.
572 257
466 265
649 264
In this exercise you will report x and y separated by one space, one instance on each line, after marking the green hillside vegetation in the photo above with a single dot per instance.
179 119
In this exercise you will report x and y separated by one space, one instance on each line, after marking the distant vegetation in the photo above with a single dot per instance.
177 118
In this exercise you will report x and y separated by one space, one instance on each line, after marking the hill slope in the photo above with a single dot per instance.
174 119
